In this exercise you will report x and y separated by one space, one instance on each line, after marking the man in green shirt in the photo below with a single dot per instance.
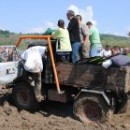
94 37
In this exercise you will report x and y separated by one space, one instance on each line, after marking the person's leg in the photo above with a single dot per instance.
37 86
85 50
67 57
58 58
75 51
95 51
61 56
34 79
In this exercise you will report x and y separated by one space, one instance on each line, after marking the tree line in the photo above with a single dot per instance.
9 38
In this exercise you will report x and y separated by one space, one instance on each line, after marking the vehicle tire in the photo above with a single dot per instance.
23 97
90 108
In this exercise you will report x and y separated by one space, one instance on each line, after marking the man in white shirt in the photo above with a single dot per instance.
106 52
33 64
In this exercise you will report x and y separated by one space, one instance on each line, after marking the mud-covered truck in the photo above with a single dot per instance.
95 91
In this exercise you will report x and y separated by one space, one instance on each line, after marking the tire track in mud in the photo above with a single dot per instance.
51 116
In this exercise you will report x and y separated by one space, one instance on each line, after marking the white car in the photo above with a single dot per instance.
9 61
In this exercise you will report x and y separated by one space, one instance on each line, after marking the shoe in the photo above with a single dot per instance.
39 98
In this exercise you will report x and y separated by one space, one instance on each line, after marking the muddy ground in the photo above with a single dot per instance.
51 116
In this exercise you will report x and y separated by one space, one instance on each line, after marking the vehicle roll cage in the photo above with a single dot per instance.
48 38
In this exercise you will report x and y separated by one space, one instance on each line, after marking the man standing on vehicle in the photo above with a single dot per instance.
33 64
73 28
63 46
94 37
84 38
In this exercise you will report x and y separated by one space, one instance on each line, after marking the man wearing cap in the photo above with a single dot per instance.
73 28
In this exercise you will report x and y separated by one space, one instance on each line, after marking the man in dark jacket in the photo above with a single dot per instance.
73 28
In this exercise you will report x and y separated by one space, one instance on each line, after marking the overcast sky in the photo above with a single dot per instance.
110 16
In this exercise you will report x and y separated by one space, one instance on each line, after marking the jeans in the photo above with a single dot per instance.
95 51
75 51
63 56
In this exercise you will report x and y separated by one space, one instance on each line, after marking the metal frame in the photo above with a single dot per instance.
48 38
95 92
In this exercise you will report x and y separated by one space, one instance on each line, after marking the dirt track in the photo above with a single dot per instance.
51 116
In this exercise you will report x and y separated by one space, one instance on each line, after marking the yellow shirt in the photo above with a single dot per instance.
63 36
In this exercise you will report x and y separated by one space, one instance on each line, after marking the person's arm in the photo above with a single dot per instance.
86 39
24 55
56 34
85 32
42 50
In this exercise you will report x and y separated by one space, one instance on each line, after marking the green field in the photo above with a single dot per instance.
113 40
8 38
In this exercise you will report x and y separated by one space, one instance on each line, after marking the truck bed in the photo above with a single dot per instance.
94 76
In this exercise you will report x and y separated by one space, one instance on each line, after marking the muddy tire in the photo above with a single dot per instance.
24 98
90 108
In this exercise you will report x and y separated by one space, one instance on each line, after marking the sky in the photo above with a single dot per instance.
35 16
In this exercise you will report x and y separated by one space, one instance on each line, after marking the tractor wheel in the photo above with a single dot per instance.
23 97
90 108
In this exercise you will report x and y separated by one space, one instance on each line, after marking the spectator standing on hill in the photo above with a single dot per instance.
84 38
129 34
94 37
63 46
73 28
